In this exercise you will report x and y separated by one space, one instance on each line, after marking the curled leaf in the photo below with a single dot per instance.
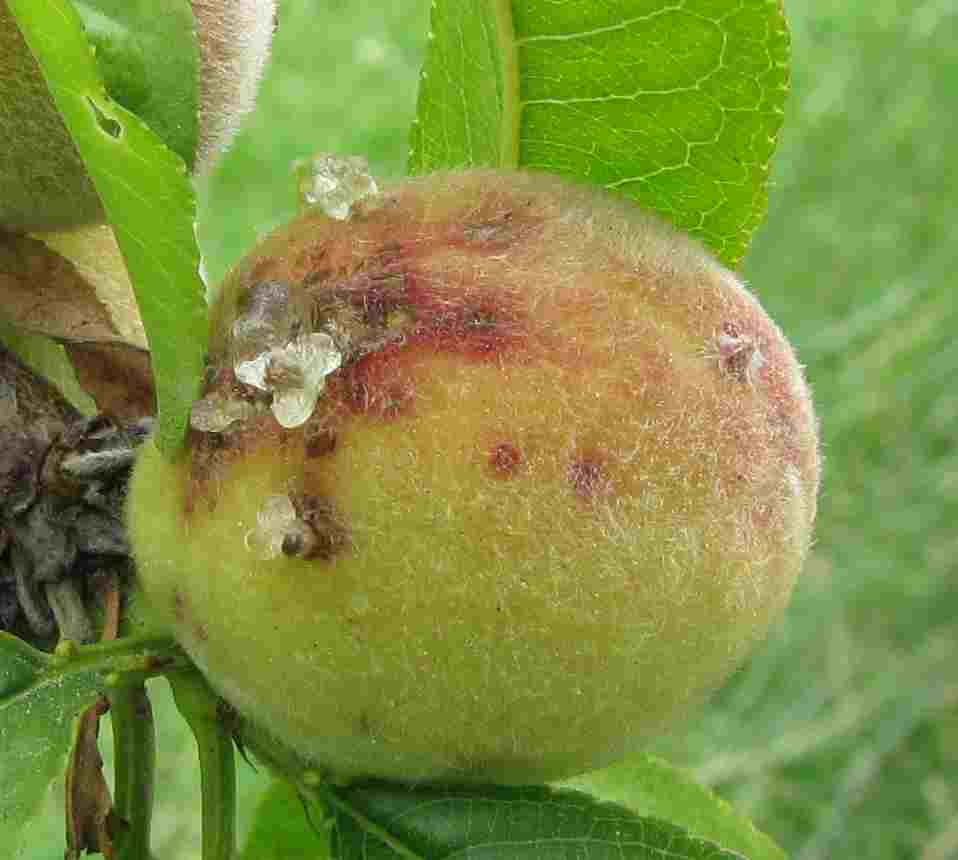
42 292
88 801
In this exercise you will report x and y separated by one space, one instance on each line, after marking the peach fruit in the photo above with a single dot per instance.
491 481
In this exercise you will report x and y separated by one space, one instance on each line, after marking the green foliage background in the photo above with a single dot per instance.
841 737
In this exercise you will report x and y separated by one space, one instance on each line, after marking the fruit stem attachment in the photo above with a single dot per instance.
134 744
200 707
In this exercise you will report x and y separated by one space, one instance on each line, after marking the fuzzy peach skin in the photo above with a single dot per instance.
560 485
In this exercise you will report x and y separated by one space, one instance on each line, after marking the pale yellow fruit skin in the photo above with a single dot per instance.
517 628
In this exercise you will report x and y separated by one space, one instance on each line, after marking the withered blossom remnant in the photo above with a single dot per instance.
63 479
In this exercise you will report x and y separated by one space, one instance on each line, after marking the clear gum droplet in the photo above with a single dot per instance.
333 183
315 356
270 319
273 521
295 374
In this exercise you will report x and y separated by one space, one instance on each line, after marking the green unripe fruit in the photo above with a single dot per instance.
43 182
549 472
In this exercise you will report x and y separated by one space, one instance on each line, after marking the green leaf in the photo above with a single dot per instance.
649 785
282 829
676 106
147 195
37 707
149 63
378 821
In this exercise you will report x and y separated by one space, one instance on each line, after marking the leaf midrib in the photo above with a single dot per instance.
509 75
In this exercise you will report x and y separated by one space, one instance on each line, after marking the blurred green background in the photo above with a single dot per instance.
841 737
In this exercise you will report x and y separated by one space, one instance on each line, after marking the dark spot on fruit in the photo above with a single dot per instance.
738 354
374 295
381 300
373 290
447 316
200 439
737 363
731 329
322 535
299 541
481 326
319 440
587 477
504 460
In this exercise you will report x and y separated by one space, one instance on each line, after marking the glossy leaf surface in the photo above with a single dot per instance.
676 106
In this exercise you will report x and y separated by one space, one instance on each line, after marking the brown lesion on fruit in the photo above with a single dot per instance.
391 318
476 322
391 301
387 293
738 353
499 231
319 439
298 525
318 532
299 541
504 460
213 454
499 221
377 384
588 476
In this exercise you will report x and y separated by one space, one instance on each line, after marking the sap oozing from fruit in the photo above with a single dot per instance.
492 481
